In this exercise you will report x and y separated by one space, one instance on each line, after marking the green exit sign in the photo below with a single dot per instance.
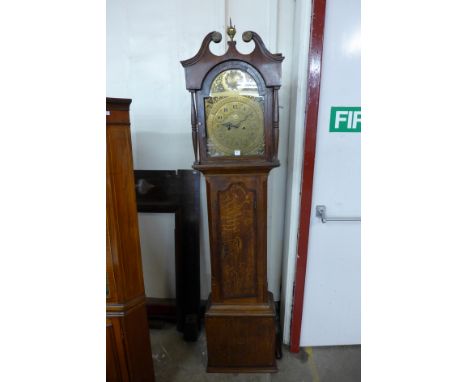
345 119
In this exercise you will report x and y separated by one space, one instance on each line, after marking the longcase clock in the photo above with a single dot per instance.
235 140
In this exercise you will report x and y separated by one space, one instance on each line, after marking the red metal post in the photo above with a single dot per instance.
313 95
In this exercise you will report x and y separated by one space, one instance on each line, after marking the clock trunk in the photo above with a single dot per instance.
240 317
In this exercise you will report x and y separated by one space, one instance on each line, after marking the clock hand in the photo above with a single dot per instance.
228 125
245 118
238 123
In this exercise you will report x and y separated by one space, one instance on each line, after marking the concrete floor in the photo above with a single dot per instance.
179 361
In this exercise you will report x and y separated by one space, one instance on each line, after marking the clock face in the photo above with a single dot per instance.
234 116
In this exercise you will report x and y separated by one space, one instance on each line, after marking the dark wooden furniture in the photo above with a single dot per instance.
240 316
177 192
128 344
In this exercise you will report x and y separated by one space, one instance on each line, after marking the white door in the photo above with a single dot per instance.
331 313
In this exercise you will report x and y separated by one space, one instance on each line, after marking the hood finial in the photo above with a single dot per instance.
231 30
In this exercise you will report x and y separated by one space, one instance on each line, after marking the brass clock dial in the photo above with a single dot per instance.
234 116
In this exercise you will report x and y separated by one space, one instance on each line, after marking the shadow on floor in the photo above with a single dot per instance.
179 361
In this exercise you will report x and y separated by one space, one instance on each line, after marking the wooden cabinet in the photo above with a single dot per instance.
127 333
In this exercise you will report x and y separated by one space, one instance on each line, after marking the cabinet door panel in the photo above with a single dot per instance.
238 238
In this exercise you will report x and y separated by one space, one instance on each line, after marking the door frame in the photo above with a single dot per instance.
312 107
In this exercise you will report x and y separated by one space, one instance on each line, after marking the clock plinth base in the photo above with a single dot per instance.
241 338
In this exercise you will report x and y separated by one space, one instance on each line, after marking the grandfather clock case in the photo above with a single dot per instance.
235 121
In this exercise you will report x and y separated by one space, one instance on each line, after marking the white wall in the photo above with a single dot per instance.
157 237
332 308
145 42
